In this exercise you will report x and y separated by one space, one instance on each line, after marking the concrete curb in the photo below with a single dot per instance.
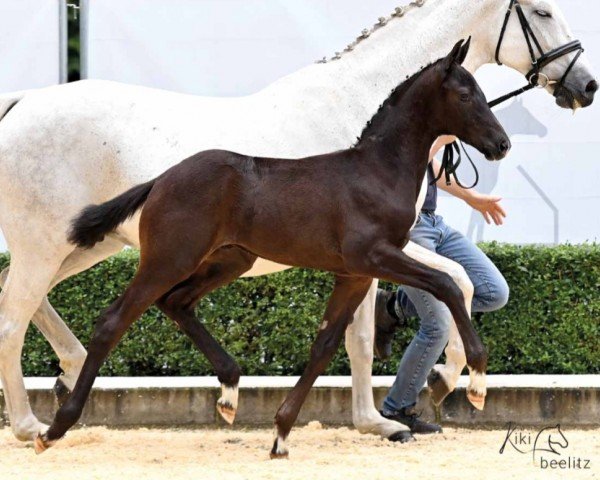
169 401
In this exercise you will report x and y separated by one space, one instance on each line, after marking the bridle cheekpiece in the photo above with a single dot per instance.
535 76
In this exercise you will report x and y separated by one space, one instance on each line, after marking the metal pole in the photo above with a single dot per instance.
63 42
84 10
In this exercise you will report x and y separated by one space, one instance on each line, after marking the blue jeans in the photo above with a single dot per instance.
491 293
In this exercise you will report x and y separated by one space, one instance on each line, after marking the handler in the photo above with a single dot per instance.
393 309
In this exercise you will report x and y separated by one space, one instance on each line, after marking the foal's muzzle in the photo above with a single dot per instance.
499 150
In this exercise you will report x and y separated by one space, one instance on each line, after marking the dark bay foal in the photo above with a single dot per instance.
205 221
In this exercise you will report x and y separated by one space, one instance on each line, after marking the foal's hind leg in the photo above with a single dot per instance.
69 350
152 280
221 268
347 294
171 251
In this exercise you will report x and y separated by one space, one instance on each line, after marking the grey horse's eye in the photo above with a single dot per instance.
543 13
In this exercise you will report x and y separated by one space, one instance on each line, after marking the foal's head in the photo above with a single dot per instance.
442 99
462 109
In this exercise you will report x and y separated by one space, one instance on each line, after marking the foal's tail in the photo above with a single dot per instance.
95 221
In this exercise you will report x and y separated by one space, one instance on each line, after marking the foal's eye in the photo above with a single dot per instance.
465 97
543 13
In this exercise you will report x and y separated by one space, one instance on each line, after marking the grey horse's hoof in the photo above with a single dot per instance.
403 436
438 387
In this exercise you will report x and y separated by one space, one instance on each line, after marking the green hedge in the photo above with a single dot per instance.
551 324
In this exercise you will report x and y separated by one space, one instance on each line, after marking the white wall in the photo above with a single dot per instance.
29 44
219 47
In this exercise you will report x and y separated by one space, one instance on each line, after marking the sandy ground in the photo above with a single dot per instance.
315 452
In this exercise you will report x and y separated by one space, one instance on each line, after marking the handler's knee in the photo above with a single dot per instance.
492 296
502 294
442 335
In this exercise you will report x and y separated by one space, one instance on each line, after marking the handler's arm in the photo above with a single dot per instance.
488 205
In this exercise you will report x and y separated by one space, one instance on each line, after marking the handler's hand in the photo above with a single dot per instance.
489 207
440 143
446 139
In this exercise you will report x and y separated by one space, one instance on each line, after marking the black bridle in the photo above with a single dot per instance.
535 78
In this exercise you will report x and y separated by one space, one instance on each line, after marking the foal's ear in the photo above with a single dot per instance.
453 56
463 51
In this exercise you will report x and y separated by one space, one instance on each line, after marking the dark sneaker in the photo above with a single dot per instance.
386 323
409 417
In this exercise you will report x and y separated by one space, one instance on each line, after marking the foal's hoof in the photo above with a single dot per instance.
226 410
403 436
279 456
41 443
61 392
477 400
438 387
279 451
227 404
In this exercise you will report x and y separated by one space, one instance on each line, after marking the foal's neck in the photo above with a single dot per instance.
407 124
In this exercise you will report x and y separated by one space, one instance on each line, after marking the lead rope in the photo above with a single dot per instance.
510 95
449 166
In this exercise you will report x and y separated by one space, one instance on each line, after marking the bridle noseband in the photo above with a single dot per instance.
535 78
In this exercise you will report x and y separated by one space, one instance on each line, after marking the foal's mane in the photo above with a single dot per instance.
380 117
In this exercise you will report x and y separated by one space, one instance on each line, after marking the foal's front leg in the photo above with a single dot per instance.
387 262
443 378
347 294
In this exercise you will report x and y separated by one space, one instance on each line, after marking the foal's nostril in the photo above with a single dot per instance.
504 146
592 87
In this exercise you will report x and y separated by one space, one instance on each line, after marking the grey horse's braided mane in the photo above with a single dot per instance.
366 33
